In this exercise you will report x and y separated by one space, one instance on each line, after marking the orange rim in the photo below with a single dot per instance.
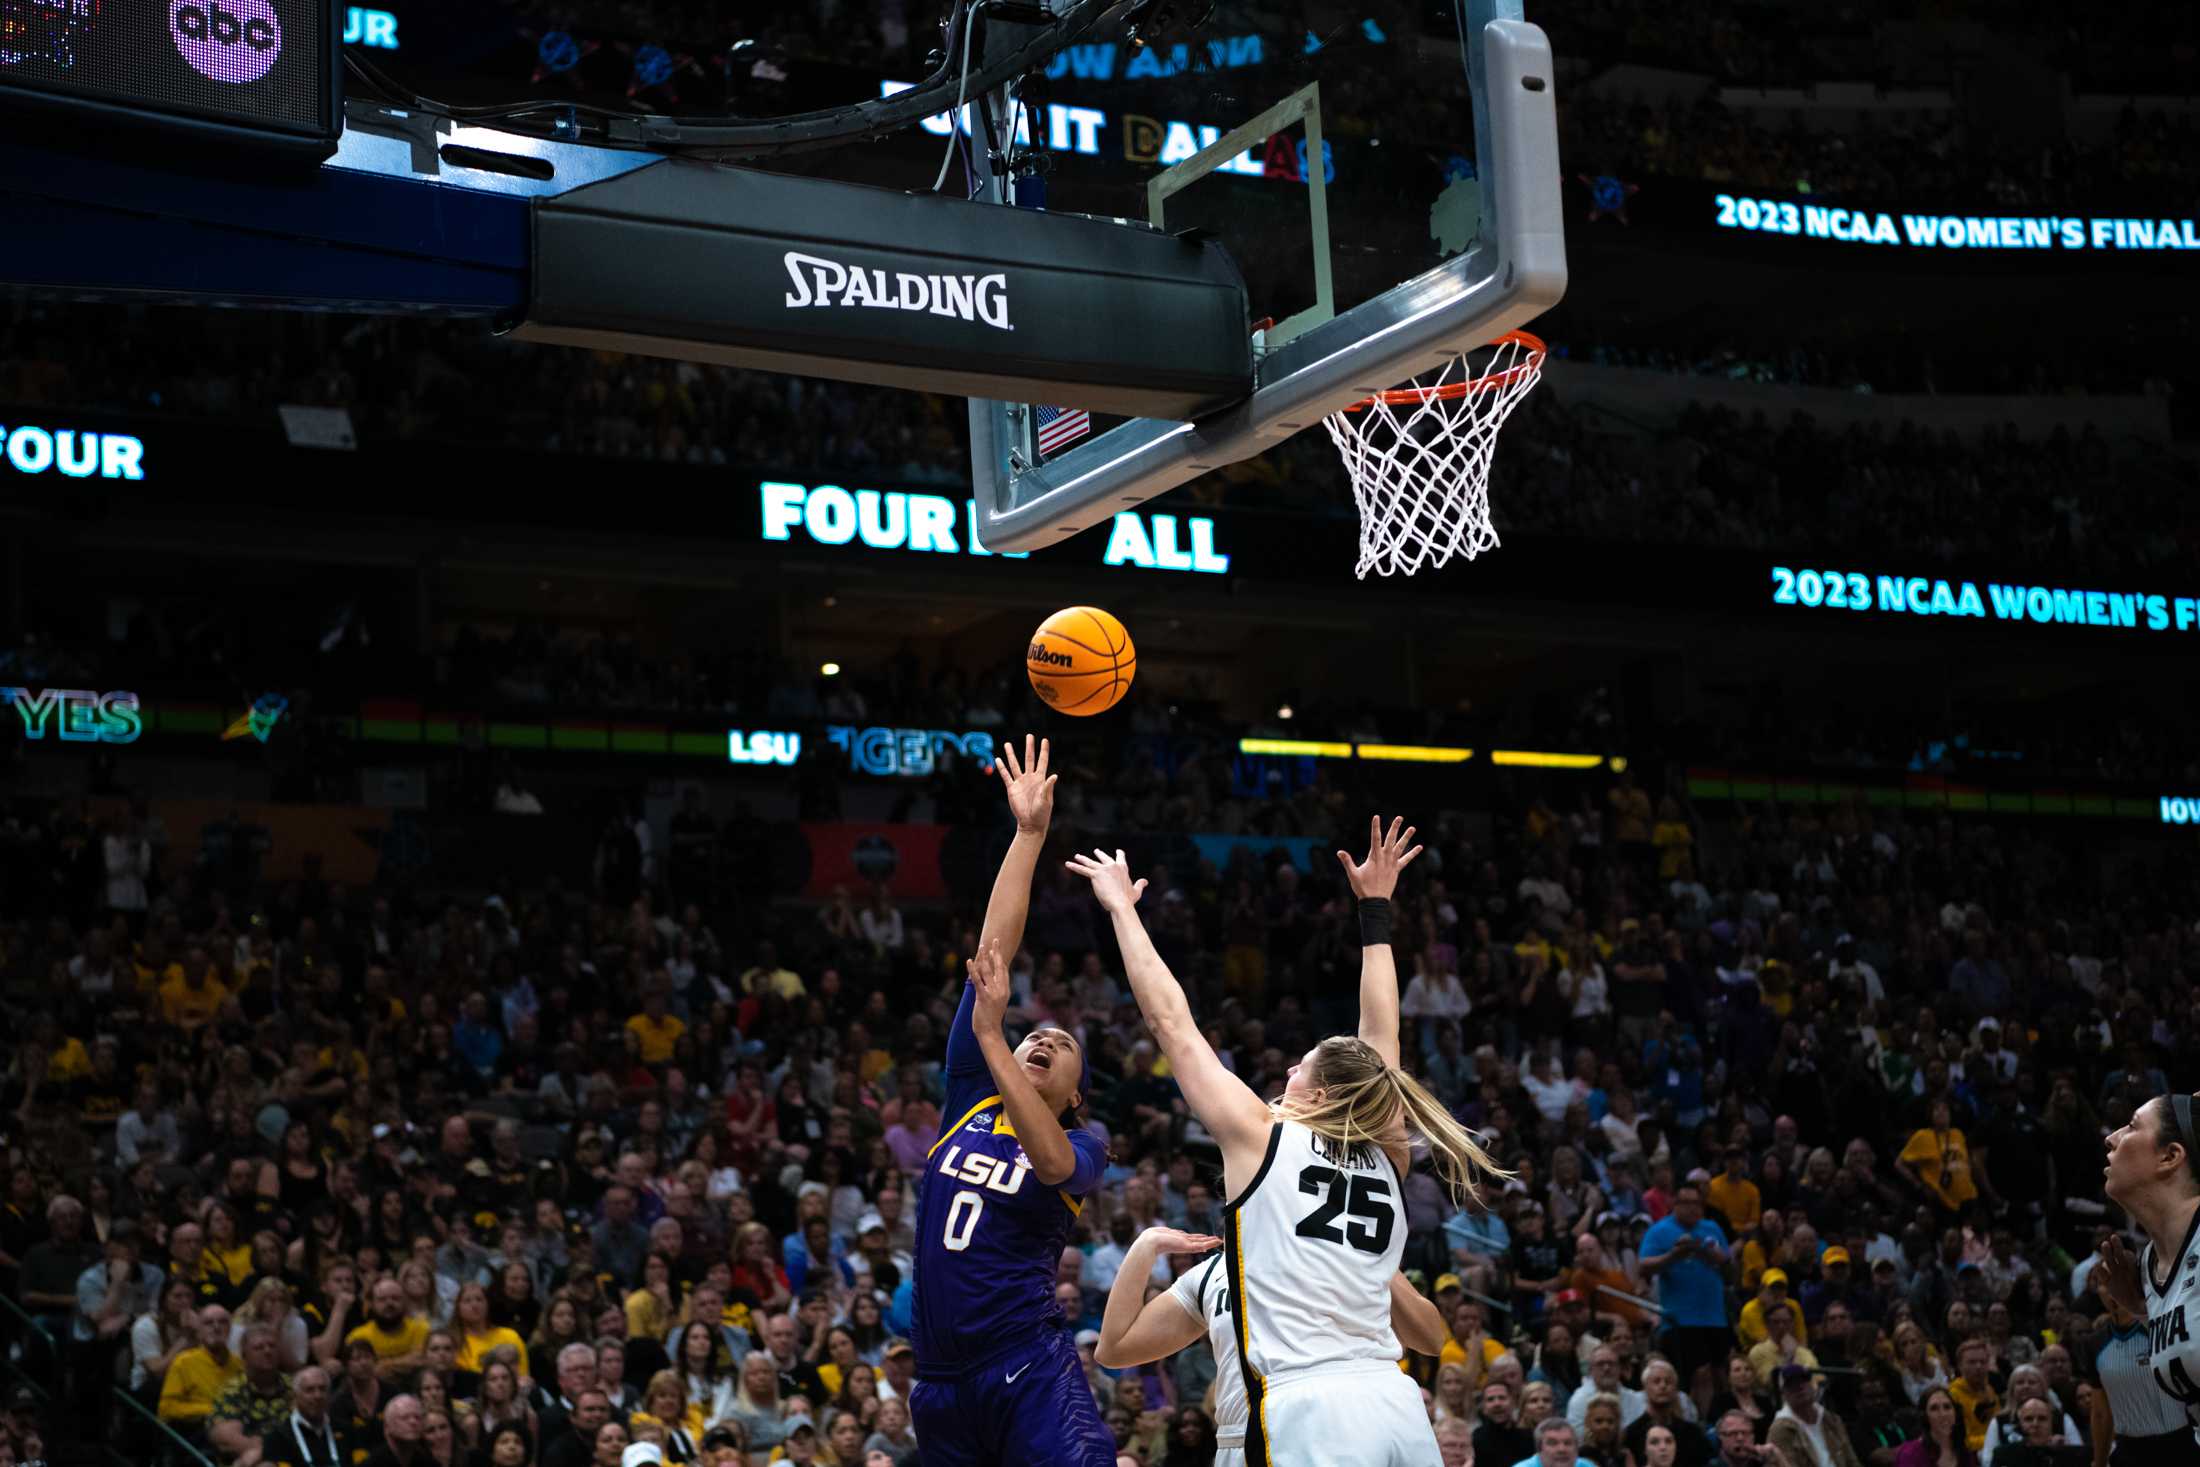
1449 391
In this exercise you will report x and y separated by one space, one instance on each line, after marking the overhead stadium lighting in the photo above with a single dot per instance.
1299 748
1415 753
1532 759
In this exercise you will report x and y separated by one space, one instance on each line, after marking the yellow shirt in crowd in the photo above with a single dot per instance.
193 1381
658 1036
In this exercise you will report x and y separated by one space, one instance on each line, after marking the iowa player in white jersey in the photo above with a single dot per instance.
2153 1173
1136 1330
1315 1225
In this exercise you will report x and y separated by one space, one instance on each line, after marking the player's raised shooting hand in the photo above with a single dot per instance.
1387 855
1111 879
989 976
1030 788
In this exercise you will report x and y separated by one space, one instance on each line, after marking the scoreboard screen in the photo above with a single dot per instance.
248 70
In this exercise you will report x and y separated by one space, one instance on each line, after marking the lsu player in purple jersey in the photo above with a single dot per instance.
998 1379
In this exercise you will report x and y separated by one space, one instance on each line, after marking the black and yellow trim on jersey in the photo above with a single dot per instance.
1233 1245
1001 1127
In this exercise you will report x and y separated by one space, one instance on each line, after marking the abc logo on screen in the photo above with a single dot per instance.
226 40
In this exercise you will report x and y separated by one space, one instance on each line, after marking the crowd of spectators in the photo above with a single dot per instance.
1718 476
320 1175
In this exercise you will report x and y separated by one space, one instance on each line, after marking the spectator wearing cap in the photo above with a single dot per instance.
875 1257
1772 1290
1537 1266
899 1372
1804 1430
1836 1284
1468 1342
801 1443
1604 1380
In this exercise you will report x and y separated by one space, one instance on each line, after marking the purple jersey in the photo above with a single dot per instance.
990 1235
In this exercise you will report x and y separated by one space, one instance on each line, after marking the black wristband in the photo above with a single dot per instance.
1374 921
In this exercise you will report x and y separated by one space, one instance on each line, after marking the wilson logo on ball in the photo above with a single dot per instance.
1041 653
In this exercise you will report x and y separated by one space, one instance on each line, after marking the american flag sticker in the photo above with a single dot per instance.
1060 427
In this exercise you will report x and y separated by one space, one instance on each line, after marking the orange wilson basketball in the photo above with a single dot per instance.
1081 661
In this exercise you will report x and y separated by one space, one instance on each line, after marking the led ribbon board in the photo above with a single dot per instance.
827 514
1857 592
254 71
909 753
77 715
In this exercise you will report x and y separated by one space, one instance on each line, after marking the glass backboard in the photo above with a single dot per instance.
1385 174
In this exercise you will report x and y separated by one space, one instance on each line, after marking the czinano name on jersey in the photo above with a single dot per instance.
819 281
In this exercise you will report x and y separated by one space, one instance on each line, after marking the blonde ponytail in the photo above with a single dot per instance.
1460 1158
1365 1101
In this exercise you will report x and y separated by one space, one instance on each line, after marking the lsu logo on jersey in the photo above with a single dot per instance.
989 1172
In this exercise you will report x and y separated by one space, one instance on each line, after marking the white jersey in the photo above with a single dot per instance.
2127 1374
1204 1291
1311 1247
2173 1325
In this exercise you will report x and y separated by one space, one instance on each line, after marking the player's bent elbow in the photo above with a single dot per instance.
1109 1357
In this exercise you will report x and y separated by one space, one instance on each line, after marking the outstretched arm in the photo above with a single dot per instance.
1030 792
1373 881
1042 1136
1135 1329
1418 1323
1230 1111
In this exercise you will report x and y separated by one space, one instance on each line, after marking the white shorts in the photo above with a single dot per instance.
1359 1416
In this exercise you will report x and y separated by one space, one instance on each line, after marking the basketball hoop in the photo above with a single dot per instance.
1419 457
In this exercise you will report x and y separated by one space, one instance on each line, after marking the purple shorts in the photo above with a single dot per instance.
1026 1407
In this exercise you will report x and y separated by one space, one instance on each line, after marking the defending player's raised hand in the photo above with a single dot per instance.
1387 855
1030 788
1111 880
1166 1242
989 977
2117 1276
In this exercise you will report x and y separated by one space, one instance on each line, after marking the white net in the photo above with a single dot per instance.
1420 457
